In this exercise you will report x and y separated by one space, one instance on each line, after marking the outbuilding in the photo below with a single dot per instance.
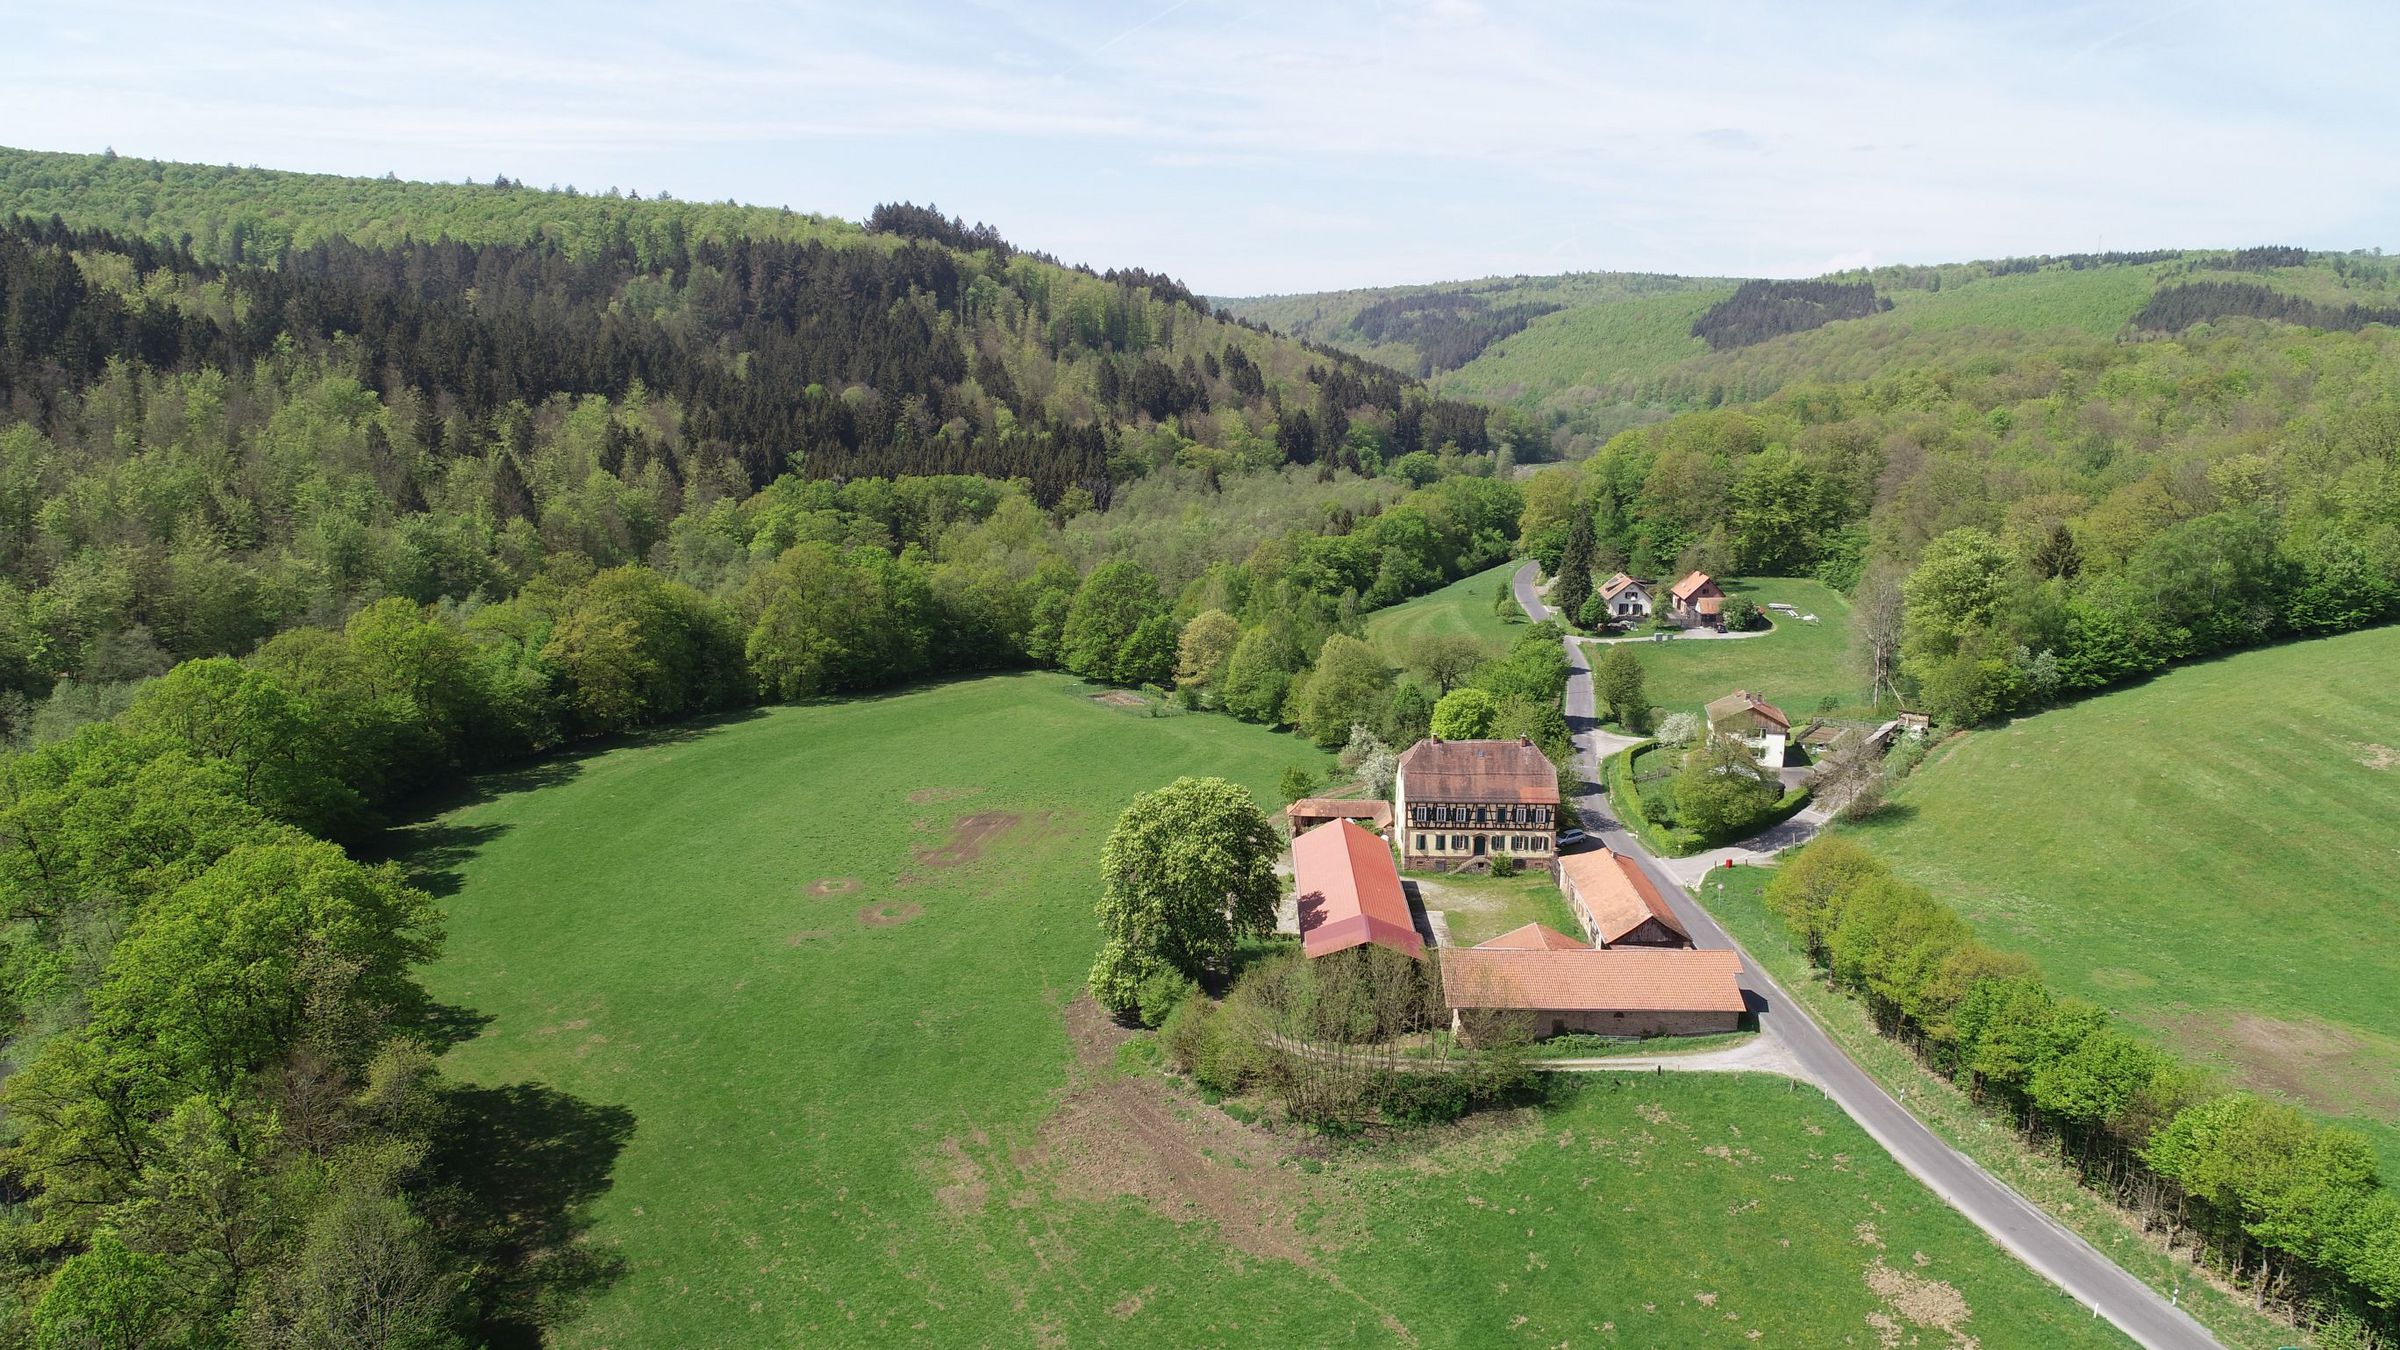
1616 902
1349 893
1627 991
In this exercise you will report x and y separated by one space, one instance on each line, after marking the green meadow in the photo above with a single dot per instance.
1462 607
1798 666
821 966
2210 853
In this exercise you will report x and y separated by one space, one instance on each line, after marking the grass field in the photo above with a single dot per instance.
2211 853
826 960
1796 667
1479 908
1463 606
1736 898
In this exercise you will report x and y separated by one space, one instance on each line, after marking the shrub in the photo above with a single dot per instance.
1505 865
1679 730
1160 993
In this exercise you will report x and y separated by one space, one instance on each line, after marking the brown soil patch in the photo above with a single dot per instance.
1117 1135
968 837
833 886
929 795
1926 1302
1121 698
807 935
2334 1068
886 915
966 1189
2378 756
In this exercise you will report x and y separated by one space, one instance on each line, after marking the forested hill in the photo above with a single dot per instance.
1588 354
788 342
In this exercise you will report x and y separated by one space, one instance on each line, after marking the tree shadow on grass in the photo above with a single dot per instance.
522 1164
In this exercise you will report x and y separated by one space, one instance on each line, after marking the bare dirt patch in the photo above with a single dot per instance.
833 886
1922 1300
806 936
1121 698
2334 1068
965 1189
927 796
888 915
1137 1135
2378 756
968 838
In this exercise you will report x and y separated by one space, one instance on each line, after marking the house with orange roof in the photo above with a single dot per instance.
1697 602
1349 893
1617 902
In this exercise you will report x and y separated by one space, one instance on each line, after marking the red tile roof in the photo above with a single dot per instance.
1628 979
1350 892
1692 585
1610 587
1535 936
1478 771
1340 808
1617 893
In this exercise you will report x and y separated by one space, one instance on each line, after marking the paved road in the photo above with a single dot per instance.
2038 1240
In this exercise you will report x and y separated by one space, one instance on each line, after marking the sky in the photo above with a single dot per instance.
1292 145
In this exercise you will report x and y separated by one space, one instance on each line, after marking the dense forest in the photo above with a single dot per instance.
1449 327
1758 310
297 528
2175 308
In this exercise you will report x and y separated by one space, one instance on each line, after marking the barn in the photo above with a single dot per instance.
1623 991
1617 903
1349 893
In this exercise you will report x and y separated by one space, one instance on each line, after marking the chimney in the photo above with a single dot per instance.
1526 741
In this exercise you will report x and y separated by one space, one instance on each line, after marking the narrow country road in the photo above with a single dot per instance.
2065 1259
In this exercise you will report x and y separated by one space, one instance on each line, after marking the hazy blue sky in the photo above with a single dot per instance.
1293 145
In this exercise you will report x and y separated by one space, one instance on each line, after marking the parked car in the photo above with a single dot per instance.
1566 837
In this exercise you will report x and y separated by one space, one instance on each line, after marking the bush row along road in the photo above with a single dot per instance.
2033 1236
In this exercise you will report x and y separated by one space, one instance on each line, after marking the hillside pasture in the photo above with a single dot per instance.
2211 854
825 962
1463 607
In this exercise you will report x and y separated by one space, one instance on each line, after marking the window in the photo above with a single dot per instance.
1420 843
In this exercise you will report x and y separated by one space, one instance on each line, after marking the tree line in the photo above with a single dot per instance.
2291 1208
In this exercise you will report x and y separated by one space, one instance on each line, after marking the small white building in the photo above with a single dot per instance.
1626 597
1759 724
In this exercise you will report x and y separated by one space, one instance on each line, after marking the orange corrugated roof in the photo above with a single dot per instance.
1536 936
1630 979
1350 892
1617 893
1478 771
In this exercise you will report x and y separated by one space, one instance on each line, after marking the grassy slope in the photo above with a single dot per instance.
1589 347
1795 667
2210 853
1463 606
1701 1210
638 929
1736 898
